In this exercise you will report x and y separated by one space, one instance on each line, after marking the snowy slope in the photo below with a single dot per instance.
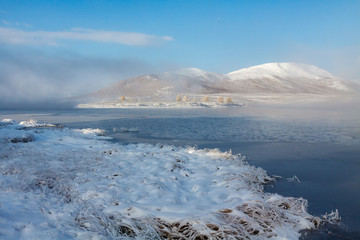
282 70
166 85
285 78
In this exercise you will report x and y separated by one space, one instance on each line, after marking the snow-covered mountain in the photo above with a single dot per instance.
270 78
286 78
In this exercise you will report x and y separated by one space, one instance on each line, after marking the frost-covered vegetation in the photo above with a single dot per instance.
73 184
179 102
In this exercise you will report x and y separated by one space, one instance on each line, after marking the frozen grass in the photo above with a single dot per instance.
72 184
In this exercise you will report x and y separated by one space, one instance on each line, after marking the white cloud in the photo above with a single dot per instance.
17 36
26 25
19 24
6 22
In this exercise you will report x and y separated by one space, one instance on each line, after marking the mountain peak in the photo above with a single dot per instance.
191 72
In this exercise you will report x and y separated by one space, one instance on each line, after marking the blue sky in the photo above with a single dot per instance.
157 36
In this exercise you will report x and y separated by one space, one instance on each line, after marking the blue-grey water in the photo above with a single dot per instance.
324 155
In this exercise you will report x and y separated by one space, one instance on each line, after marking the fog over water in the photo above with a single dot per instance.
34 79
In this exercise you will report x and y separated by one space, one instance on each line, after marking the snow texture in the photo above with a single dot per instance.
74 184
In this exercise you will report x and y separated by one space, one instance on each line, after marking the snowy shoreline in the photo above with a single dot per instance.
156 104
63 183
237 100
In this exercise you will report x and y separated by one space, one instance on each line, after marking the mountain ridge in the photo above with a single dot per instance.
269 78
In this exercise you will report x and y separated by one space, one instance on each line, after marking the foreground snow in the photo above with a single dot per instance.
58 183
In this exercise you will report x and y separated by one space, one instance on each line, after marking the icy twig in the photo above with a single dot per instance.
293 179
332 217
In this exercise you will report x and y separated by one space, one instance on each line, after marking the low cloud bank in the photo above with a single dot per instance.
34 78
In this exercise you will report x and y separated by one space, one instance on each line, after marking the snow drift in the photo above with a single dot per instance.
68 184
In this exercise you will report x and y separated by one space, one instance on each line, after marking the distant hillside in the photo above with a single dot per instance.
270 78
189 80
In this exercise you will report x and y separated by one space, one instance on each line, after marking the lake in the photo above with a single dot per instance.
322 151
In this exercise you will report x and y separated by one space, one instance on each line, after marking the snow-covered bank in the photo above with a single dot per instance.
156 104
73 184
237 100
